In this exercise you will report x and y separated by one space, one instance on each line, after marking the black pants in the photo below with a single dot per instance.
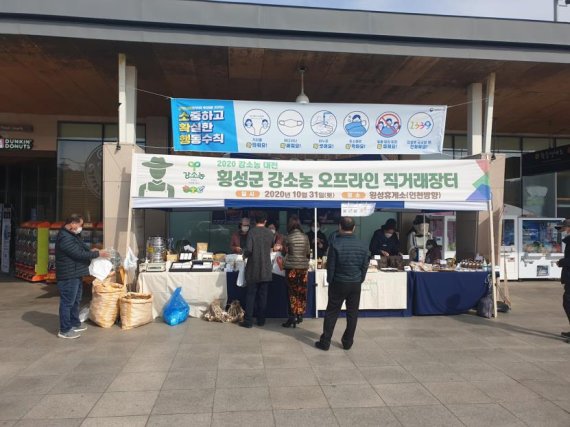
339 293
566 300
256 297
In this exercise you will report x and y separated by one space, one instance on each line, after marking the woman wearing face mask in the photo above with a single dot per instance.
385 241
296 266
277 237
322 242
433 254
239 237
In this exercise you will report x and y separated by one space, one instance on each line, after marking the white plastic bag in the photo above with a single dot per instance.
130 261
277 262
100 268
84 314
241 275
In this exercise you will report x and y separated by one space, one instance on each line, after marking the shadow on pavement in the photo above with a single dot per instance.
46 321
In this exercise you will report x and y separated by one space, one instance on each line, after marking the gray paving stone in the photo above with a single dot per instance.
184 402
186 380
58 422
366 417
539 413
83 383
337 376
241 378
405 394
40 384
194 362
243 419
506 391
14 407
243 399
135 381
291 377
300 397
286 361
134 421
551 390
433 372
457 392
352 396
387 375
426 416
475 415
64 406
240 361
305 417
180 420
122 403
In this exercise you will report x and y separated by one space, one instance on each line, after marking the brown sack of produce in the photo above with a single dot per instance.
136 310
104 307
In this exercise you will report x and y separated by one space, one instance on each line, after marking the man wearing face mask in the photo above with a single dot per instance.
564 227
72 259
322 242
277 237
239 237
385 241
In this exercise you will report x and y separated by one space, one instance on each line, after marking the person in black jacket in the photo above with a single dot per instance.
347 264
385 241
565 276
322 243
72 259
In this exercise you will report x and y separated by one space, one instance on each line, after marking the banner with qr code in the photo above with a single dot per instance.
214 178
286 127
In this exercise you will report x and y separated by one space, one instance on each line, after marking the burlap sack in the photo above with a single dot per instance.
104 307
136 309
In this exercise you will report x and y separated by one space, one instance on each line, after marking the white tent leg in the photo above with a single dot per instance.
493 277
315 256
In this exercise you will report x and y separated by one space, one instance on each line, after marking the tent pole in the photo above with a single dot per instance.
315 256
492 235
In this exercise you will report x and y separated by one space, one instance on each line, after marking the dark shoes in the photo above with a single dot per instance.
565 334
245 325
261 322
321 346
290 323
346 345
299 319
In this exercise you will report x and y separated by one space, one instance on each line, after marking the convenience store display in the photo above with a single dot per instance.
32 251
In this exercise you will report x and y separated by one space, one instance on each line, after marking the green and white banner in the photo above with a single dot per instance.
208 178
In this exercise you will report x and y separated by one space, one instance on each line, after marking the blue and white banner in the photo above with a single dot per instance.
286 127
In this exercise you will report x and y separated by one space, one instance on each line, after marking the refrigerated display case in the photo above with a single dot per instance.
509 261
32 251
540 247
443 231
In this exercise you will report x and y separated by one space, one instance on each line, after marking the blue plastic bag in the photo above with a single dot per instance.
177 309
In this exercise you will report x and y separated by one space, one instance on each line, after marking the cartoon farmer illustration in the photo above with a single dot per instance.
157 187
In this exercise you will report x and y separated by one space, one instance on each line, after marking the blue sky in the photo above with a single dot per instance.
542 10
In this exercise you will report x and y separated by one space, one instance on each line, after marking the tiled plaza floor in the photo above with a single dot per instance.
420 371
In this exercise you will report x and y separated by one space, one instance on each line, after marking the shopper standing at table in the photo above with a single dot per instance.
239 237
72 259
258 272
564 226
322 243
297 250
347 264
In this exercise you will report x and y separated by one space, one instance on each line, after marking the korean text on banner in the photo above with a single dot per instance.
282 127
209 178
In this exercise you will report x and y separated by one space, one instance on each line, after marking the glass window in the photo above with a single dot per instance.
460 141
81 131
111 133
448 141
537 144
539 194
563 194
562 141
507 144
80 167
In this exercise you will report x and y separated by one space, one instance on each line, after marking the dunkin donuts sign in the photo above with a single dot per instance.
16 144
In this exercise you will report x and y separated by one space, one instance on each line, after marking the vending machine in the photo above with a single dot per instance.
540 247
509 260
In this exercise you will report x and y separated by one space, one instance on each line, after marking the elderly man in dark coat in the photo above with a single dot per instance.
258 273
